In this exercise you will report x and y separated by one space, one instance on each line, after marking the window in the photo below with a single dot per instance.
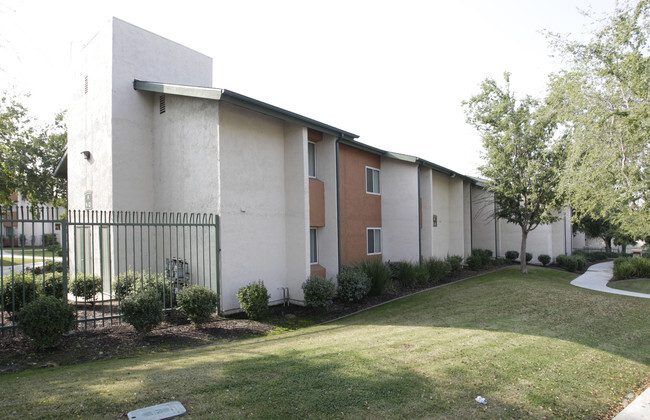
311 150
374 241
313 246
372 180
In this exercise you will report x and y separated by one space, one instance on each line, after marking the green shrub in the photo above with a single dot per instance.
529 257
53 284
484 254
379 275
124 284
455 263
49 239
581 262
421 274
544 259
628 268
254 300
18 291
86 286
143 310
474 262
45 319
405 273
318 291
561 260
437 269
131 282
353 284
198 304
571 264
511 256
499 261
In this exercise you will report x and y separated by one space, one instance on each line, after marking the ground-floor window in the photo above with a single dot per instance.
313 246
374 241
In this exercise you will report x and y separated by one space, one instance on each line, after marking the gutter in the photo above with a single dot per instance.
338 201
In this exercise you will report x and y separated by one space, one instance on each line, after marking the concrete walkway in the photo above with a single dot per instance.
596 278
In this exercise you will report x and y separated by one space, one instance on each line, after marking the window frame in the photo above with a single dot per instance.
315 242
374 239
373 171
311 146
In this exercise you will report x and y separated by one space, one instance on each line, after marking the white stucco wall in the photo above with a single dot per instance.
483 232
296 189
399 210
449 204
139 54
113 121
328 234
255 206
426 195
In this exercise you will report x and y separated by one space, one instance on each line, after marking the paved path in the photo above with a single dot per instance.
596 278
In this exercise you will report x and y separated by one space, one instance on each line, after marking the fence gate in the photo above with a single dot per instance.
97 258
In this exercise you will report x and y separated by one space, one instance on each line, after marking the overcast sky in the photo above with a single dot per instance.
394 73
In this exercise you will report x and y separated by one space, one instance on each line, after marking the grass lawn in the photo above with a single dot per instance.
29 256
634 285
533 346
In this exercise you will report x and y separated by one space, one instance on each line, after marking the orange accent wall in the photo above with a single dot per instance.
358 209
318 270
316 203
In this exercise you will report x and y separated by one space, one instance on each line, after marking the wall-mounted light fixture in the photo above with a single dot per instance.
86 154
453 175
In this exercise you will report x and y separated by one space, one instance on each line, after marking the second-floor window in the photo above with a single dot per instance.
372 180
311 157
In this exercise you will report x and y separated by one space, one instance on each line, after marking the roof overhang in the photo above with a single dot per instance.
242 101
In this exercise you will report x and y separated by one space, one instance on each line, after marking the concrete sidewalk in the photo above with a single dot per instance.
596 278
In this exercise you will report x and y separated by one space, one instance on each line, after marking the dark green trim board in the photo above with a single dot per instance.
243 101
420 221
338 202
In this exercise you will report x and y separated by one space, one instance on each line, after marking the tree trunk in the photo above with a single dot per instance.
522 254
608 243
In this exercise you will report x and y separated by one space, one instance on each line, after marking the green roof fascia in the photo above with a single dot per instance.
444 170
242 101
377 151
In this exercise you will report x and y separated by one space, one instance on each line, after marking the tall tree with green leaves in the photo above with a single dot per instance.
603 100
29 154
522 162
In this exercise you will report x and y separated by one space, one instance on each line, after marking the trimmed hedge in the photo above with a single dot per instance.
144 310
198 304
511 256
353 284
437 269
319 292
86 286
45 320
254 300
544 259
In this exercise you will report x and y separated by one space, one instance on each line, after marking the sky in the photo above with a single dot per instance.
393 72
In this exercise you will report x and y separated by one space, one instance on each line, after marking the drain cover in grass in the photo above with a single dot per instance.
167 410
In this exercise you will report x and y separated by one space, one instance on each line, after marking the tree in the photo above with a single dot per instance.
522 162
602 99
29 154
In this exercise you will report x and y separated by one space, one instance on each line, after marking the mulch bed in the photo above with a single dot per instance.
119 341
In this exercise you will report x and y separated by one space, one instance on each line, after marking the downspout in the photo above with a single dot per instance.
496 250
419 203
471 220
338 201
565 250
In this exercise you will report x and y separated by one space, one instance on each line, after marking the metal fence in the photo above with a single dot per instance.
97 258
